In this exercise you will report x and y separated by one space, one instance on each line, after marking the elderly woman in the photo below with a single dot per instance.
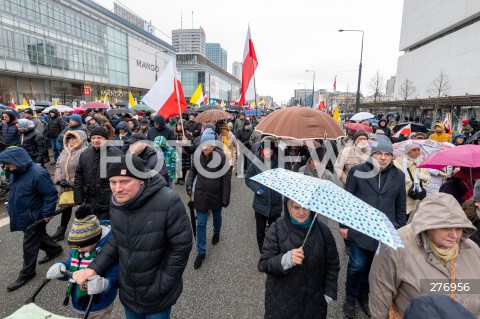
420 177
301 281
356 154
437 250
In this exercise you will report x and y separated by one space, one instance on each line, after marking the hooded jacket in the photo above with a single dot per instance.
162 130
384 127
34 143
441 137
299 291
169 156
125 138
151 241
10 131
454 137
32 194
396 275
54 126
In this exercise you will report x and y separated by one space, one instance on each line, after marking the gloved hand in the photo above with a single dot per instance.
56 271
96 285
422 176
260 191
328 299
189 190
63 183
225 204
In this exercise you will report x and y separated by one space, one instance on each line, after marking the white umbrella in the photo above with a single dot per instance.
60 108
362 116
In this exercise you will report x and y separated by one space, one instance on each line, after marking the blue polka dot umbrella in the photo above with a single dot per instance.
327 199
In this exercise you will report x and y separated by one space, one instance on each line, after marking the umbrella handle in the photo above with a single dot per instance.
309 229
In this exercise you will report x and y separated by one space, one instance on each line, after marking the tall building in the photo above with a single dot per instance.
85 53
217 55
390 87
237 70
189 41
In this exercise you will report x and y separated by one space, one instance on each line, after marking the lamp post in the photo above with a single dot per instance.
357 100
156 72
313 84
305 91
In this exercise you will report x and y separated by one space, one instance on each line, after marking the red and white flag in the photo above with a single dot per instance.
205 99
321 106
249 66
166 96
335 84
406 130
446 124
12 104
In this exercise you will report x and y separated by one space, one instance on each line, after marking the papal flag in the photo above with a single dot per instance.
131 100
25 102
336 114
197 96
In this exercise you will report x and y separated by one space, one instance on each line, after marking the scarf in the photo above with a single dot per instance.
305 224
445 254
225 146
79 260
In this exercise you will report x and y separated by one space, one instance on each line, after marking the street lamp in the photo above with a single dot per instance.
305 90
357 100
156 72
313 86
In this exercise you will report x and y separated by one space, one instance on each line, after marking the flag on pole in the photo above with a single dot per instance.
262 102
131 100
249 66
12 104
105 100
166 96
197 95
25 101
55 102
446 124
336 114
205 99
406 130
321 106
335 84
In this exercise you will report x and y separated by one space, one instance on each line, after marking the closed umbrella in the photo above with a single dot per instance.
362 116
212 116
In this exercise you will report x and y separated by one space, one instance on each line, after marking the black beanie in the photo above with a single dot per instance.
122 169
358 134
100 131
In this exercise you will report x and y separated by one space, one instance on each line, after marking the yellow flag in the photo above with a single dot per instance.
254 104
336 114
197 95
223 104
55 102
262 101
131 101
105 100
25 101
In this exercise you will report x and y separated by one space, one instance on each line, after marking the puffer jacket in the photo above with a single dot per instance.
34 143
151 241
10 133
32 194
349 157
270 202
396 275
162 130
299 291
67 162
55 125
89 187
441 137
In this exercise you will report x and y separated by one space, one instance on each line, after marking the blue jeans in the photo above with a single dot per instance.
53 141
358 270
129 314
202 219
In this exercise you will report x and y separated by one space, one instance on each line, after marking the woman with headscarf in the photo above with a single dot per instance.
31 140
437 250
10 132
301 277
414 176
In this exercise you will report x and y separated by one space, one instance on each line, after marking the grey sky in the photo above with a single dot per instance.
291 36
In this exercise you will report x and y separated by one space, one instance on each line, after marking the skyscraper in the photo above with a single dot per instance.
217 55
189 41
237 70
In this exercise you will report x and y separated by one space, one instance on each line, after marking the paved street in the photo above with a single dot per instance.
228 285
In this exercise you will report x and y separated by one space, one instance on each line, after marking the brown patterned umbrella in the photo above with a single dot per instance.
300 123
212 116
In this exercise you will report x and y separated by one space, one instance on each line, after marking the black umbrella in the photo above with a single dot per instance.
235 108
43 103
118 111
190 111
416 127
208 107
192 216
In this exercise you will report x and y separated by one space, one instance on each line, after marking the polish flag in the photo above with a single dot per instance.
166 96
205 99
335 84
406 130
12 104
321 105
249 66
446 124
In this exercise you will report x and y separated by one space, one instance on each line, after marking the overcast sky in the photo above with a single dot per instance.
290 37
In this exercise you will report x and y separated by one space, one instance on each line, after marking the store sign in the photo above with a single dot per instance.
112 93
86 91
147 66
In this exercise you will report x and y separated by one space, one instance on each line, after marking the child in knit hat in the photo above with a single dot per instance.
87 237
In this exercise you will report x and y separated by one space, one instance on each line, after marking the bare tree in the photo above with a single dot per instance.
63 92
5 87
377 86
407 91
438 88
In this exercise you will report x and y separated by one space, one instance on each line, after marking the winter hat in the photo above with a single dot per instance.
379 132
88 118
86 229
26 124
28 111
139 112
124 126
246 122
476 192
358 134
122 168
101 131
410 147
382 144
464 122
208 137
144 122
77 118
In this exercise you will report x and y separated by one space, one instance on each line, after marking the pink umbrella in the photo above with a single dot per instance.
463 156
77 111
358 127
95 105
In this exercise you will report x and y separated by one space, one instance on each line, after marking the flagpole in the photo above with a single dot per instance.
254 88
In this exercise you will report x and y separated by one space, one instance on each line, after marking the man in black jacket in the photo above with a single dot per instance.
151 240
160 129
212 189
380 184
243 136
54 128
89 186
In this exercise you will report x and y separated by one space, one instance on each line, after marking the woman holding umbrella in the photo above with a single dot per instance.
307 272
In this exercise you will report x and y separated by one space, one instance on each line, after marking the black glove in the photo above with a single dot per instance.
189 190
63 183
225 204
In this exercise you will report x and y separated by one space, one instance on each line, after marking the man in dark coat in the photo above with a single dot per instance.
160 129
193 127
32 141
10 132
89 186
267 203
384 189
382 125
151 241
31 204
212 189
243 136
54 128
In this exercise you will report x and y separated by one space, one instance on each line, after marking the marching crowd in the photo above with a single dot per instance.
131 233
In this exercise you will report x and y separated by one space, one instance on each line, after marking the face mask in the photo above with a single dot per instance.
362 144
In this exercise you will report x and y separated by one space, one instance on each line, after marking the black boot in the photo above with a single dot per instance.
59 234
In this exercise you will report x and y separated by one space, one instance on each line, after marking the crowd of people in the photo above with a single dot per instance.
131 232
